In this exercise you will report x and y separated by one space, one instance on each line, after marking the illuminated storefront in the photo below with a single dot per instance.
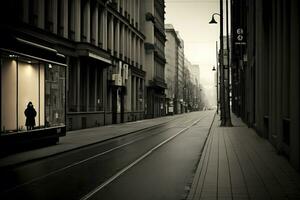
25 79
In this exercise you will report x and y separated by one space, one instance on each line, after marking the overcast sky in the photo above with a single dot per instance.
190 18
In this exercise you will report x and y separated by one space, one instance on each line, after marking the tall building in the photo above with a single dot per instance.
195 71
174 68
265 71
84 60
192 90
181 104
153 18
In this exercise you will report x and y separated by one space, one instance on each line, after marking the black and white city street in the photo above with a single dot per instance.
150 99
155 163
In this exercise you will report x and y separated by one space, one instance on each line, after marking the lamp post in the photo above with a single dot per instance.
217 83
224 90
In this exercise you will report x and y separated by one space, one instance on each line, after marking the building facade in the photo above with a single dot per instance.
153 18
191 86
101 45
265 71
175 69
181 104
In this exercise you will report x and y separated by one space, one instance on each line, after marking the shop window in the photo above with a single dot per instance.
26 80
8 95
55 95
30 89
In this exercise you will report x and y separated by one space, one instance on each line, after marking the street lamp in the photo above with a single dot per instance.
213 21
217 84
224 91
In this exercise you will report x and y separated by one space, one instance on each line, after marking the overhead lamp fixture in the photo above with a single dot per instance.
213 21
12 56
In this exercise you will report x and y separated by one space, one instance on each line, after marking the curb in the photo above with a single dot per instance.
194 184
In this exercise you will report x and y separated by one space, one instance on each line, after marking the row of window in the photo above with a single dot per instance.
85 21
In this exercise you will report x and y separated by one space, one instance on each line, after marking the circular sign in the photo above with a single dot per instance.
240 37
240 31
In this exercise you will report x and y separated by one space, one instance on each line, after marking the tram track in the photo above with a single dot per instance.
134 138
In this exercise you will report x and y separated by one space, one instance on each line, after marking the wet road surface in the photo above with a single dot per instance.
151 164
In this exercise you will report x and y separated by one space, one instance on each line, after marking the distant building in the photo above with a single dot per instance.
153 26
192 95
181 104
174 69
195 71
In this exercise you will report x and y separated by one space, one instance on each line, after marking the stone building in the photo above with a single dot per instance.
153 18
174 69
265 71
100 43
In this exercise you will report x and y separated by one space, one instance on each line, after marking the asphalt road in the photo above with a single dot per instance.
151 164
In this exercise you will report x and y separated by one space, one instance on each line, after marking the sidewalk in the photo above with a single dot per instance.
238 164
85 137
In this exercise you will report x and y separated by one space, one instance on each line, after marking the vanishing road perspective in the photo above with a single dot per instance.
156 161
150 99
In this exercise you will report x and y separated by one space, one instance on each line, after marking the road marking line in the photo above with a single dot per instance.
92 157
71 165
94 191
75 163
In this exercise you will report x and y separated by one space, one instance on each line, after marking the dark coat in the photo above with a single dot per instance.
30 114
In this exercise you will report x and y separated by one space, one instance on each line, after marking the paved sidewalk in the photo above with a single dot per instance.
238 164
85 137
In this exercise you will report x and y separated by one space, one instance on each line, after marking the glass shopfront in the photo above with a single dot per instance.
25 80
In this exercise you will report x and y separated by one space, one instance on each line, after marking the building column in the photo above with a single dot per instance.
87 21
65 19
88 68
133 12
117 38
259 73
128 49
111 35
142 55
104 89
279 65
41 14
25 6
123 41
55 9
103 30
133 93
272 64
294 85
77 14
95 27
129 92
133 50
143 95
138 14
137 52
78 84
96 88
129 8
129 45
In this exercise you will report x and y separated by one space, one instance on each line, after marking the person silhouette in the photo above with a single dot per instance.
30 114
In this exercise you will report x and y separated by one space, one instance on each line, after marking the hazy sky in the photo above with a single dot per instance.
190 18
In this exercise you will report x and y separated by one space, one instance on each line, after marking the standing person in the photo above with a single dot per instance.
30 114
